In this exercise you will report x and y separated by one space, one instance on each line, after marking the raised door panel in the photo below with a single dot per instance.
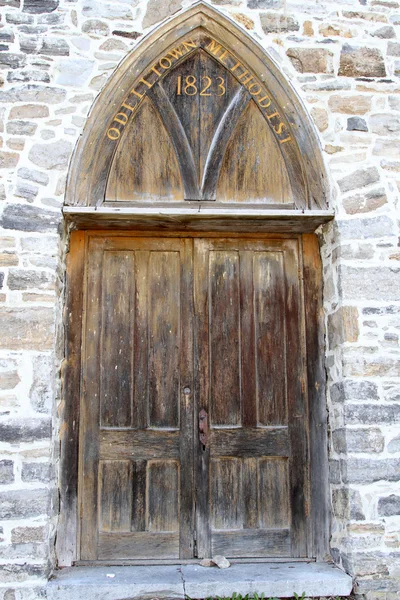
251 475
137 454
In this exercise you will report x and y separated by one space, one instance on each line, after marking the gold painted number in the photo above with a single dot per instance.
188 86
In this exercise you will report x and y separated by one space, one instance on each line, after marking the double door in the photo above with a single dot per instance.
193 416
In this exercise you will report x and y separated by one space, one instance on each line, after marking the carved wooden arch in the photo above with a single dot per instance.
141 79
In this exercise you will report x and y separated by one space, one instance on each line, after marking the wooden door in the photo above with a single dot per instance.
193 445
252 455
137 410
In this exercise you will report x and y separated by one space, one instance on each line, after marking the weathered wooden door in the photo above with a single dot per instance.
193 417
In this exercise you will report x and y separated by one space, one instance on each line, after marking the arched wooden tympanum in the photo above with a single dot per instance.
198 112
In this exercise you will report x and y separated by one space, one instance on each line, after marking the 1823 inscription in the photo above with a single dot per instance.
190 85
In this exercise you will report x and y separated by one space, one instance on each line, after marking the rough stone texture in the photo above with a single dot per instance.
358 179
356 124
29 218
311 60
277 23
358 440
54 155
350 105
157 11
27 328
367 202
361 62
6 471
387 507
22 504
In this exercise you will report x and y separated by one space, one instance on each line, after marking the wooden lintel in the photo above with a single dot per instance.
198 219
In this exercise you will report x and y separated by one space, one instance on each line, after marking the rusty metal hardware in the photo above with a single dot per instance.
203 428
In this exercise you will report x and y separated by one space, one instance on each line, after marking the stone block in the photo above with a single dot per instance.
373 227
30 328
20 217
26 190
15 431
157 11
74 71
369 470
265 3
28 76
311 60
385 124
363 203
386 32
29 111
33 93
25 279
36 7
389 506
348 390
394 445
361 62
244 20
95 27
41 392
97 9
343 326
347 504
8 259
9 379
11 60
350 105
358 440
393 49
391 392
358 179
356 124
28 535
6 471
336 30
54 155
32 175
320 116
278 23
371 414
8 160
23 504
371 283
1 280
36 472
387 148
54 47
367 362
19 573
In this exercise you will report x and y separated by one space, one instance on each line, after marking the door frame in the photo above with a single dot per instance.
68 535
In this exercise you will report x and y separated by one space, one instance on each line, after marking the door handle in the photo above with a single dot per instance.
203 428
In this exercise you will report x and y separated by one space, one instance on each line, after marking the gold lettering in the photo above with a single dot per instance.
113 136
275 114
136 93
278 128
155 71
149 85
262 99
128 106
189 44
214 47
176 52
245 81
285 140
221 58
252 86
167 60
238 64
121 118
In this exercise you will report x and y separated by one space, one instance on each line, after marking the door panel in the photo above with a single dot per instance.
251 472
137 492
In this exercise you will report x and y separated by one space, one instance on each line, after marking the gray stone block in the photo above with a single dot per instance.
389 506
6 471
23 504
364 470
358 440
40 6
347 504
29 218
358 179
375 283
356 124
370 414
15 431
36 472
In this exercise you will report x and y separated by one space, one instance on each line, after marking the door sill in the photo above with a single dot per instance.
281 580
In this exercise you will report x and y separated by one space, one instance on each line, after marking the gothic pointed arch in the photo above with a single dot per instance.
198 112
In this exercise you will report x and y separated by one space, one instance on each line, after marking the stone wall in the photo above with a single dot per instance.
343 58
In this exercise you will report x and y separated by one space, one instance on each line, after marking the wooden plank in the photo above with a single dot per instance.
116 377
139 480
251 442
202 394
187 432
162 495
247 340
164 338
270 334
250 487
224 333
316 377
274 509
115 495
90 407
252 542
69 408
297 406
226 494
141 341
138 545
138 444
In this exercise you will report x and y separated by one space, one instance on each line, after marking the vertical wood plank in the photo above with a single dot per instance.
66 544
162 495
202 394
297 407
248 358
315 346
226 494
225 337
139 495
141 342
116 339
270 337
250 482
115 495
274 493
164 342
90 408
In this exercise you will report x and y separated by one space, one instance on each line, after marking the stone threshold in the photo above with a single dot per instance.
178 581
